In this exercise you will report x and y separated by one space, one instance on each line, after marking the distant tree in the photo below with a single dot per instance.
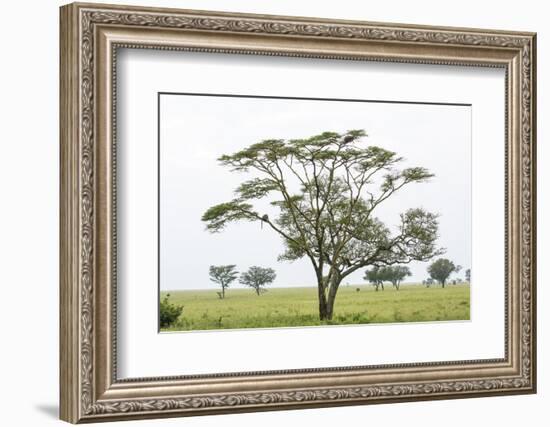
168 312
457 280
428 282
376 277
395 274
223 275
257 278
441 269
467 274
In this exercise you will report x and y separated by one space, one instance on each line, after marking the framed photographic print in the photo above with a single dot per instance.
266 212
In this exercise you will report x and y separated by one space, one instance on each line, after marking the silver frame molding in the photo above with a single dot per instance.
90 37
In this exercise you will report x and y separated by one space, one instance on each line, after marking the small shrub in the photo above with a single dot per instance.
169 312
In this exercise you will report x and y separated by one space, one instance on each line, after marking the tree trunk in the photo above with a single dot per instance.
334 285
330 308
258 291
322 302
223 292
443 284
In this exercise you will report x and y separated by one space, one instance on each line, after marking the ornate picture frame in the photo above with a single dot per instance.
90 37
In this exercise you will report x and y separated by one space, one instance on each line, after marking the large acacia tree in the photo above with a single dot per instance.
326 190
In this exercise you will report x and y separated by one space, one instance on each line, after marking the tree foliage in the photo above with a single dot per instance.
258 278
394 274
441 269
325 191
467 274
168 312
376 277
223 275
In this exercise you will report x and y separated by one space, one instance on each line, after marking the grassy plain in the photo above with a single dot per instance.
280 307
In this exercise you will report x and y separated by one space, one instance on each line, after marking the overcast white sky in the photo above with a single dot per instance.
196 130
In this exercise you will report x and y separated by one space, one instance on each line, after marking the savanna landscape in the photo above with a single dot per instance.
321 196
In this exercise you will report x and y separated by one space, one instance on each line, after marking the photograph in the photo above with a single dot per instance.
281 212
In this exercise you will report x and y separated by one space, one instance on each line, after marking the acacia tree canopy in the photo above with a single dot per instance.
326 190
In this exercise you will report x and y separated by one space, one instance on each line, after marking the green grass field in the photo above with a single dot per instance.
280 307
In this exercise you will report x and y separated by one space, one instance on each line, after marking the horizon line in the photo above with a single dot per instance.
312 286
